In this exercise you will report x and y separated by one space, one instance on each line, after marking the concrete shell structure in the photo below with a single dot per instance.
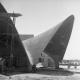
53 42
7 48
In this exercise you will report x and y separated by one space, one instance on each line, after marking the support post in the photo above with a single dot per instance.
56 61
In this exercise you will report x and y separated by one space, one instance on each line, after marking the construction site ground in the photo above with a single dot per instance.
45 74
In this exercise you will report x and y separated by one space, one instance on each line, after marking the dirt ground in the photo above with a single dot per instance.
44 75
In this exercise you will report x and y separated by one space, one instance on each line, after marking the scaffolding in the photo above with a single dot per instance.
3 16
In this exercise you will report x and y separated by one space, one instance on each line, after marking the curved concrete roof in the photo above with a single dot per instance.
50 41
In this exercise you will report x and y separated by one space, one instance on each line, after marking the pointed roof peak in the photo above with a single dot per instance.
71 17
2 9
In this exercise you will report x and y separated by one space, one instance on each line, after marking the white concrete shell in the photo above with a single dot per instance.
36 45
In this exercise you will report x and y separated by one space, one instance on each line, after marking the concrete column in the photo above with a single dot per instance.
56 61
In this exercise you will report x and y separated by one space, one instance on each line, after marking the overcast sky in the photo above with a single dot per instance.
41 15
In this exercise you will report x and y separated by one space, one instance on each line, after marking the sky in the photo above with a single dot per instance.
41 15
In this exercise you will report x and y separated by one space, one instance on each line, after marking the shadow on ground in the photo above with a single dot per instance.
44 72
56 72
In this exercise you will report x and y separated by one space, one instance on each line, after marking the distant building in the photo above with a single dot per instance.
26 36
70 62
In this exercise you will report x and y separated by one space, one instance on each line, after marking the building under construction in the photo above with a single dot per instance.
52 42
11 47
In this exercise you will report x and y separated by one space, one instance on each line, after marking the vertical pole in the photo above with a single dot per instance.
12 42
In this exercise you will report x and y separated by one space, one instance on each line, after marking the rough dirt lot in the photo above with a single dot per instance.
43 75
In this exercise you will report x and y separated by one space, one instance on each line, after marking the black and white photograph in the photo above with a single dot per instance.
39 39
